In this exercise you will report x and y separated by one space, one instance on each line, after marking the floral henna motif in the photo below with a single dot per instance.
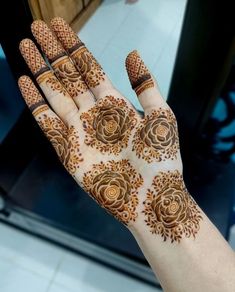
89 68
108 125
169 210
54 84
72 80
64 140
114 186
157 137
138 73
91 71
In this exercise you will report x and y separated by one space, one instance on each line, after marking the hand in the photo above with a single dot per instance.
129 164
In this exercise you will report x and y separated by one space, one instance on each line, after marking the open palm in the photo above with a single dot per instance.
129 164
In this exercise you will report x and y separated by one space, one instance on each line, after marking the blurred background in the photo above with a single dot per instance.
53 237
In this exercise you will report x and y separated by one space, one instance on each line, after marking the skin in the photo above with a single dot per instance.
129 164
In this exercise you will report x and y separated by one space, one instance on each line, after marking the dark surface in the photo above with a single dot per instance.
205 54
46 189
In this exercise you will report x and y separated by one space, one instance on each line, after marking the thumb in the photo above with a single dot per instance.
143 83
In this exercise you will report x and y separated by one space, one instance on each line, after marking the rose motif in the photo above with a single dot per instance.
112 190
159 133
84 63
111 124
67 71
60 144
171 207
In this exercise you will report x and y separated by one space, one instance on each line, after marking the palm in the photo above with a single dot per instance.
110 150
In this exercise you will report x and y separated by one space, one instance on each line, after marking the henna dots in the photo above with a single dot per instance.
87 65
108 125
169 209
156 138
64 140
138 73
114 185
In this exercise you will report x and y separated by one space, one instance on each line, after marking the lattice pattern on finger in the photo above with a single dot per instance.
47 40
138 73
32 56
65 33
30 93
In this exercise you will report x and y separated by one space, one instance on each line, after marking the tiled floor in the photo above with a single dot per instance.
30 264
152 27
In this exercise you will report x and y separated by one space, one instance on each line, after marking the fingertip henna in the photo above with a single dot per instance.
138 73
32 57
65 33
48 42
31 95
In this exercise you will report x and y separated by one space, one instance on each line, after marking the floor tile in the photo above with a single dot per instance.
59 288
14 278
28 251
85 275
102 26
152 27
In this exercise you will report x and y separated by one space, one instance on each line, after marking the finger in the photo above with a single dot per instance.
55 93
63 67
87 65
37 104
143 83
52 126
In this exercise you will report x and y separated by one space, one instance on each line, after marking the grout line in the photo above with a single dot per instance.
115 32
54 274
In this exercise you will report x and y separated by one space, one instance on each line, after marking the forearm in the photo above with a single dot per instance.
203 263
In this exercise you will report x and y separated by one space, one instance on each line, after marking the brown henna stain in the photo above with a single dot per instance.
32 96
32 57
138 73
108 125
46 39
87 65
169 209
64 33
156 138
64 140
114 185
89 68
70 77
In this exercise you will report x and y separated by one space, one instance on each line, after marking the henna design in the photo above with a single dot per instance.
157 136
32 96
65 33
55 85
91 71
138 73
64 140
169 210
62 65
44 36
114 185
89 68
72 80
108 125
32 56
